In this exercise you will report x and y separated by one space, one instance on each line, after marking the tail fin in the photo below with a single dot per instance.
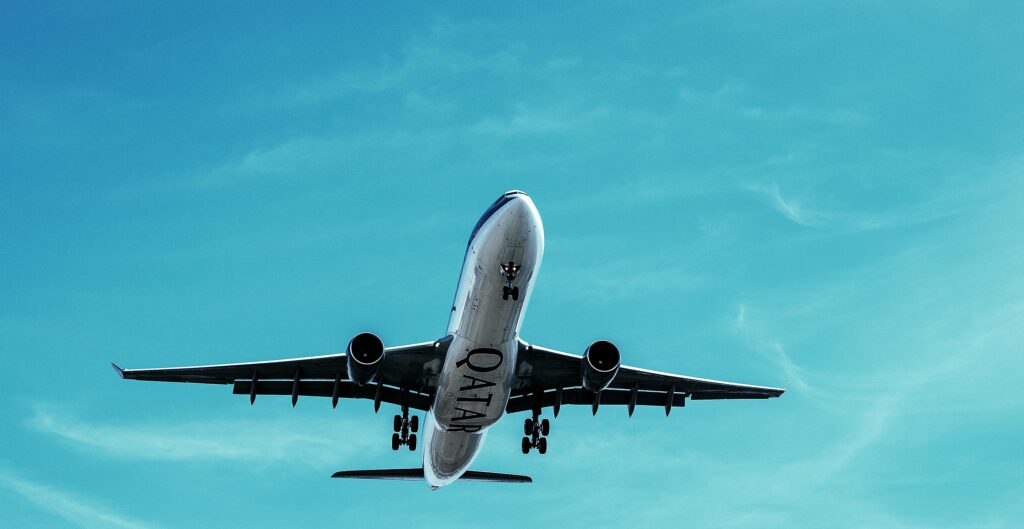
416 474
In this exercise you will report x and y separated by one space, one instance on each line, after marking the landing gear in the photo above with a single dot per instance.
536 431
405 430
510 269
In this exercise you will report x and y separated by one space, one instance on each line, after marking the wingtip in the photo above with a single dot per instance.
118 370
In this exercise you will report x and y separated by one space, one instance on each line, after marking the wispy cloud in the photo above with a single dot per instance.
789 208
616 280
793 372
839 220
229 440
77 510
736 99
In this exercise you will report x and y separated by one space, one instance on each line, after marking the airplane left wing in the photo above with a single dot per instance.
549 378
407 376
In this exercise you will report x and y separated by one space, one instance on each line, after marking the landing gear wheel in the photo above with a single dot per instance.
395 441
504 293
545 427
398 423
414 423
528 427
412 442
542 445
515 293
526 445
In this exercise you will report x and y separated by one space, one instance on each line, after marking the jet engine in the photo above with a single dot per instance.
365 355
600 364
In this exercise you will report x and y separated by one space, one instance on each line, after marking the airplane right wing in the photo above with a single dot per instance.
550 378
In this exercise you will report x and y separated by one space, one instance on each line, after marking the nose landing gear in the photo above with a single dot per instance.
536 432
510 269
405 430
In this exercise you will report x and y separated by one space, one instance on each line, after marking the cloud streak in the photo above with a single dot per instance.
234 440
81 512
789 208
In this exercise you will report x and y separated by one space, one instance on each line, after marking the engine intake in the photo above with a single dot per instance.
365 355
600 365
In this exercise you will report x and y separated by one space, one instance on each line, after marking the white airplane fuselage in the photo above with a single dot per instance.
476 380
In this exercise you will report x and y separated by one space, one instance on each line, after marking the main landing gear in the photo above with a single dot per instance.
510 269
536 431
405 430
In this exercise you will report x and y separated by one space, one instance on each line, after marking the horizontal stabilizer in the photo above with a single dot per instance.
416 474
496 477
400 474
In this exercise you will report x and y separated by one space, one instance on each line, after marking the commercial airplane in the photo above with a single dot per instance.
479 371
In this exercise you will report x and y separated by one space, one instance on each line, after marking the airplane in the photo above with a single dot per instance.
476 373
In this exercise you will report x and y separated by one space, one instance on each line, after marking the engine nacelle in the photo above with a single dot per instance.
365 355
600 365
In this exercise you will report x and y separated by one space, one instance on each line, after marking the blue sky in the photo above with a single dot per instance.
817 195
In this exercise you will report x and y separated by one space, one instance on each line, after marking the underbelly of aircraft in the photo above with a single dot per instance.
476 384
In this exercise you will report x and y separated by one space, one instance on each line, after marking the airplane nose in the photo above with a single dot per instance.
522 212
520 204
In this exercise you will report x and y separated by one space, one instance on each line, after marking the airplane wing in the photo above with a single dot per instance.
549 378
407 376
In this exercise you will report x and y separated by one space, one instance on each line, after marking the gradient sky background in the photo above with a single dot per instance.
817 195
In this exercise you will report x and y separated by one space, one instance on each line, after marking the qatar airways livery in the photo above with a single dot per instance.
479 371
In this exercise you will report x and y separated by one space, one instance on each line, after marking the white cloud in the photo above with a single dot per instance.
736 99
79 511
230 440
741 316
789 208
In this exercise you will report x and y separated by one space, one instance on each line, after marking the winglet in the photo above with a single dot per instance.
120 372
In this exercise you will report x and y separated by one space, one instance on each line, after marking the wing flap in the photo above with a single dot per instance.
346 390
583 397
